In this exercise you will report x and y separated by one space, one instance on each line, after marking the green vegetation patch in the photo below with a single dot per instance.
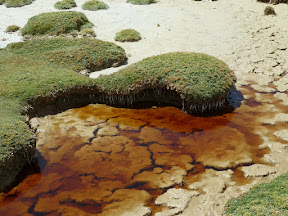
130 35
88 32
94 5
65 4
269 11
141 2
17 3
12 28
198 78
56 23
41 68
2 2
263 199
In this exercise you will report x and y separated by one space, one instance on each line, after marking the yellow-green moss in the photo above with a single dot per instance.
65 4
94 5
141 2
17 3
130 35
56 23
263 199
12 28
202 81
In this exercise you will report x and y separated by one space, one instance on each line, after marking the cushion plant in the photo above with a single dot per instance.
141 2
202 82
127 35
12 28
17 3
65 4
56 23
94 5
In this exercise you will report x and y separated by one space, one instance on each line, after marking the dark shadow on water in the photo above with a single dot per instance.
41 162
147 98
235 98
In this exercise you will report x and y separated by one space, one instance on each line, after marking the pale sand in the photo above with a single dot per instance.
253 45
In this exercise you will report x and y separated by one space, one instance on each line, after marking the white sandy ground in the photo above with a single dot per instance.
236 31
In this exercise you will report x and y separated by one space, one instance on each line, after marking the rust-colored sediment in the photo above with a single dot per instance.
106 161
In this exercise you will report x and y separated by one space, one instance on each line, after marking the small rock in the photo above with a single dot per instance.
282 84
283 97
84 72
280 117
108 131
258 170
283 134
175 201
262 88
269 11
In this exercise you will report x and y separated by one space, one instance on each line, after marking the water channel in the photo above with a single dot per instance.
101 160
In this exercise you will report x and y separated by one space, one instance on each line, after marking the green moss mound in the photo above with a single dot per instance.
37 69
88 32
263 199
94 5
269 11
12 28
201 81
17 3
65 4
141 2
56 23
130 35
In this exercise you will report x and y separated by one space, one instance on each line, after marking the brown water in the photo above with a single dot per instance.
100 160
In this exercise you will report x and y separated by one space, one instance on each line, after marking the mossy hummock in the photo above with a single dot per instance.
128 35
197 82
94 5
16 3
12 28
141 2
65 4
56 23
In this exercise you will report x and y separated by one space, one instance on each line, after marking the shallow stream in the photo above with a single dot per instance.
100 160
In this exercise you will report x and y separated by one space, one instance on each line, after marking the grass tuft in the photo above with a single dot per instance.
94 5
130 35
263 199
65 4
56 23
141 2
12 28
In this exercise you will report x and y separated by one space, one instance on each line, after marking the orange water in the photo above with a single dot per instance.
94 174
